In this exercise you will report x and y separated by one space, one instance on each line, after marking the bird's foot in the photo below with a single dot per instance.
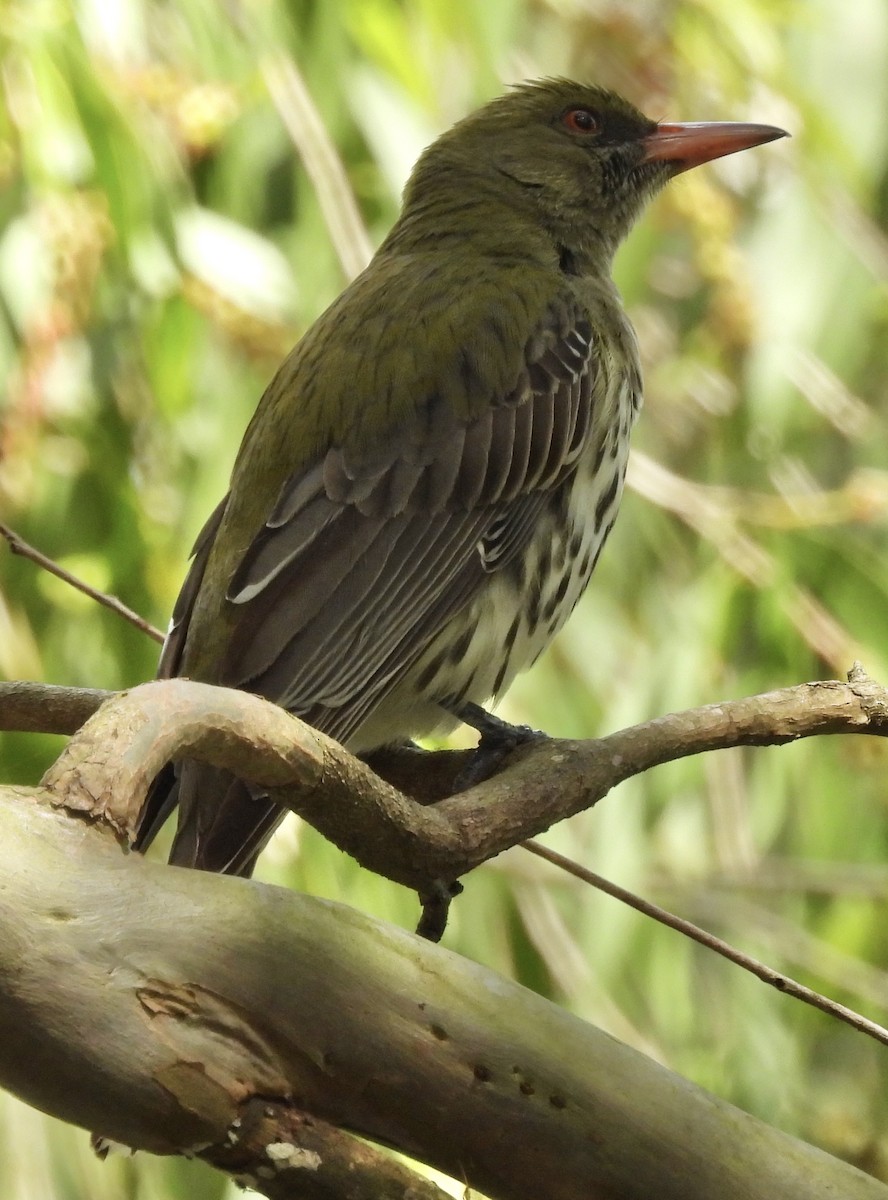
435 908
498 739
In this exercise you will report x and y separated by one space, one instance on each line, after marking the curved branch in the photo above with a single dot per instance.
105 771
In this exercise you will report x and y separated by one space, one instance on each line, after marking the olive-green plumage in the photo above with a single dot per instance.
425 487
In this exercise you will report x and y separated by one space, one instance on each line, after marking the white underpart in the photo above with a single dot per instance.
478 675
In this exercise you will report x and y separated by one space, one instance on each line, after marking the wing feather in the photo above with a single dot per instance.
368 554
366 577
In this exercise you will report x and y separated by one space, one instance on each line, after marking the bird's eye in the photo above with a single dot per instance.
581 120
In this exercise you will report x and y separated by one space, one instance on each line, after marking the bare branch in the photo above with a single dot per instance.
47 708
275 1148
181 989
108 768
19 546
783 983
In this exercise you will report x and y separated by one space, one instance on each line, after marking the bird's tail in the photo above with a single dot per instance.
224 824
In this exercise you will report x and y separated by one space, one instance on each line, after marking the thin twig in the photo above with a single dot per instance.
783 983
19 546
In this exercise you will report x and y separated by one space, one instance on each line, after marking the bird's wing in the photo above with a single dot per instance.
174 642
366 556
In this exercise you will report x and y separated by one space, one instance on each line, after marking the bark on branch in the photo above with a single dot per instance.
160 1006
107 768
175 1010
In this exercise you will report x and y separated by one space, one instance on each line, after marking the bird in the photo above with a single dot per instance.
424 490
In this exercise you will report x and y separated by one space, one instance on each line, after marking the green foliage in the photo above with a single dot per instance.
162 245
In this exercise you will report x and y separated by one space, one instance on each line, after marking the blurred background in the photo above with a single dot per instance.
185 185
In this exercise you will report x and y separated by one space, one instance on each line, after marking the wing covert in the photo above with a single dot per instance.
367 555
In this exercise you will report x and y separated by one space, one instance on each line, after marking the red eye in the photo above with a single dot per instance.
581 120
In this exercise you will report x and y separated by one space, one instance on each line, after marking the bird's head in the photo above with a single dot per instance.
580 160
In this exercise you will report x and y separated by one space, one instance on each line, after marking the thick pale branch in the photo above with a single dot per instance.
155 1004
216 993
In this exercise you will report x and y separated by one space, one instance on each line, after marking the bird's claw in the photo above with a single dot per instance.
498 739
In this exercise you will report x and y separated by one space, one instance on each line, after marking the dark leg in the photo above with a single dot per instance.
494 730
498 740
435 908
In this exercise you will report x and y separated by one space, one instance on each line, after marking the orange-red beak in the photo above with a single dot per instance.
690 144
